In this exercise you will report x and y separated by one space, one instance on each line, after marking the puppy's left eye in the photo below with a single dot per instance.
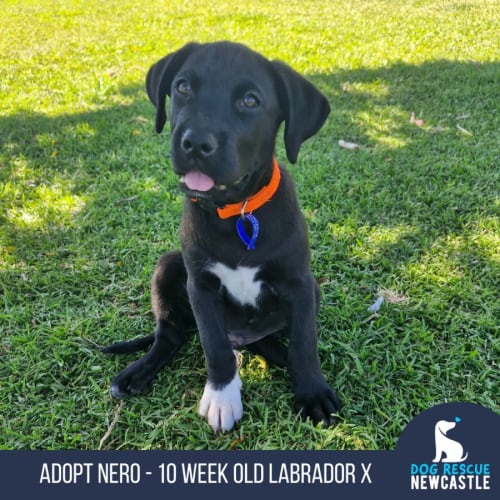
249 101
183 87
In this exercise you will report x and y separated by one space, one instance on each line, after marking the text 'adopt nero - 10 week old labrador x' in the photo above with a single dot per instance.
243 277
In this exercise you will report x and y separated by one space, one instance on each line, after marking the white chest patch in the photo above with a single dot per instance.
240 282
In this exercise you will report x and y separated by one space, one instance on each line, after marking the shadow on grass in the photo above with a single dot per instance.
427 168
77 170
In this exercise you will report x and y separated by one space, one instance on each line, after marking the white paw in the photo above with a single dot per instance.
222 407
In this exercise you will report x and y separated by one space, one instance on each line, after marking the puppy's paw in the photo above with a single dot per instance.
320 405
135 379
222 407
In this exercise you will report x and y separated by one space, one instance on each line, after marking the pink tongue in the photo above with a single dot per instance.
198 181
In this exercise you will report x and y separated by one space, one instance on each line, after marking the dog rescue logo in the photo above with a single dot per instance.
447 449
452 474
450 448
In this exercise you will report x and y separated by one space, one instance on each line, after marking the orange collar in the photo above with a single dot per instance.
255 201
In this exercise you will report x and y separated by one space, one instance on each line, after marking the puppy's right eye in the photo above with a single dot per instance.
183 87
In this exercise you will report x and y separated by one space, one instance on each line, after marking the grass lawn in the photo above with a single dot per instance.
88 202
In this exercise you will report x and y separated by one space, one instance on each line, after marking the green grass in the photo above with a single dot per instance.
88 203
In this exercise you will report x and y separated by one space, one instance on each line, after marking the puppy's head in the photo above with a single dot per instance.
226 105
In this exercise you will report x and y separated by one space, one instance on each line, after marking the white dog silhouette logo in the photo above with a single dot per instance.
453 450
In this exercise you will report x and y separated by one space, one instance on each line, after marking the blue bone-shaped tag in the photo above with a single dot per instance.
249 241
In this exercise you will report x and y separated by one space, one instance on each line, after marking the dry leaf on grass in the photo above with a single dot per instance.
388 296
375 307
348 145
416 121
463 130
393 297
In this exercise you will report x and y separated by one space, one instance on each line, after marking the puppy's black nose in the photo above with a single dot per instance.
201 144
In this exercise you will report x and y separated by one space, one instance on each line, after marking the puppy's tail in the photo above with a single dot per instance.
140 344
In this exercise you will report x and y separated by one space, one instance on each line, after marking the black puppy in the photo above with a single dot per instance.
243 277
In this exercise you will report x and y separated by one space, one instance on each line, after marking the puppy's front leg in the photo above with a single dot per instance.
221 400
313 397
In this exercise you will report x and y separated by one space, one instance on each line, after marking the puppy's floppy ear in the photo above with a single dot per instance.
159 80
304 107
